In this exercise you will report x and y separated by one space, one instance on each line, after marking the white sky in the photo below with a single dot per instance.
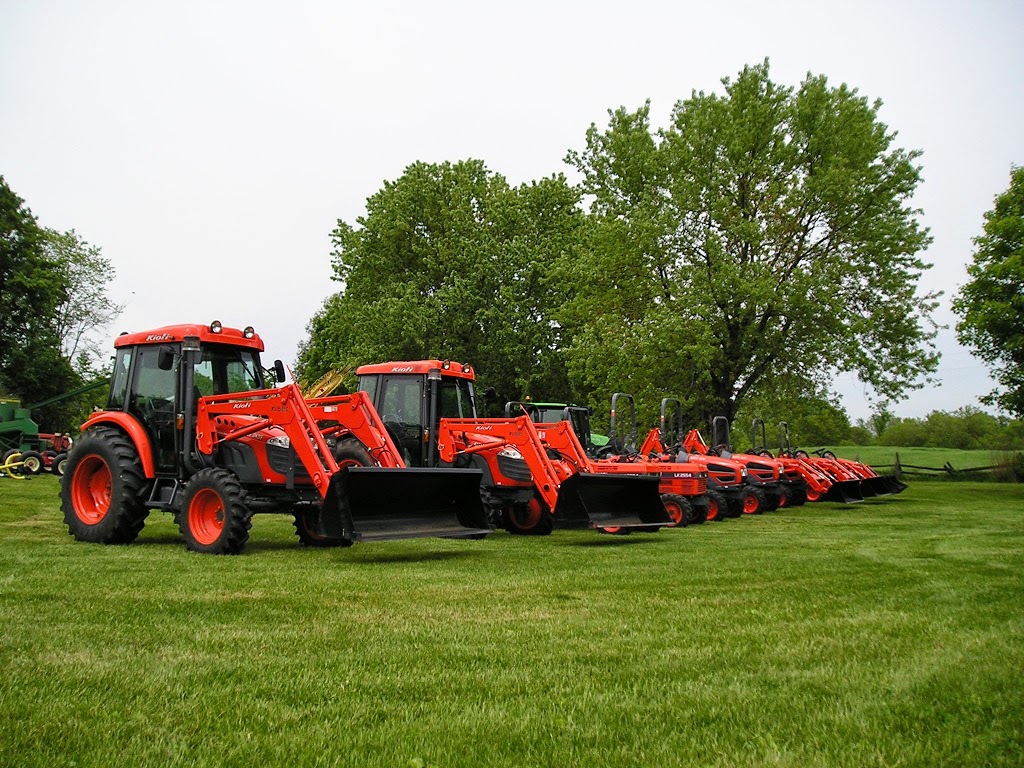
209 147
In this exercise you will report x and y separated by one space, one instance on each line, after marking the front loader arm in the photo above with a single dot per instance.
223 418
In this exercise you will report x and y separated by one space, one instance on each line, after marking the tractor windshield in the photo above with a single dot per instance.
550 414
224 370
456 399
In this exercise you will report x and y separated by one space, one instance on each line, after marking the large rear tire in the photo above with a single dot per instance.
101 488
213 517
352 453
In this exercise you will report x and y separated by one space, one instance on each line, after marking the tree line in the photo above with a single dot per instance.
740 257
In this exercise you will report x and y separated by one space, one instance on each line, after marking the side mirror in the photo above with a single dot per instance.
279 371
165 358
490 394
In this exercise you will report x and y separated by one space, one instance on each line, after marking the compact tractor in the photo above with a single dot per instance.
687 492
824 480
530 485
192 426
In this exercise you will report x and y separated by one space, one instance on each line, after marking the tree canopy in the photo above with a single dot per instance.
451 262
760 243
765 234
991 304
51 292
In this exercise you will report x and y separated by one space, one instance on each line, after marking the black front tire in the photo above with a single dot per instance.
59 464
214 517
531 518
101 489
717 506
678 508
306 530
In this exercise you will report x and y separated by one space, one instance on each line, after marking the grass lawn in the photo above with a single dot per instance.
887 633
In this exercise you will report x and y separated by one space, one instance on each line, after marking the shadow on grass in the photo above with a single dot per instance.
614 540
359 557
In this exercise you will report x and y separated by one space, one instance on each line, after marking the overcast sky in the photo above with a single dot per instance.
208 148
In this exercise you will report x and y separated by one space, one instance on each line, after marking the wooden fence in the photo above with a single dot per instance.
1003 471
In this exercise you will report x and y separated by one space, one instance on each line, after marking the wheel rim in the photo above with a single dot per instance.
91 490
206 516
612 529
813 495
750 504
526 519
675 512
783 500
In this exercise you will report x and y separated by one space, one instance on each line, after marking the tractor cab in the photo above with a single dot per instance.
160 375
412 397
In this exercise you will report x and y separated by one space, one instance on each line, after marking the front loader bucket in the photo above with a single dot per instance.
844 491
379 503
894 486
598 500
869 489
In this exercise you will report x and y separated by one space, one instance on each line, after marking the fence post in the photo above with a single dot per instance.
897 470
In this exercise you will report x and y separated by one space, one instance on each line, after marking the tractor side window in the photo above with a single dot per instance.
368 384
551 415
153 387
119 380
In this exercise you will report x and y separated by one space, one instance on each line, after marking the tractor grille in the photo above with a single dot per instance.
282 460
514 469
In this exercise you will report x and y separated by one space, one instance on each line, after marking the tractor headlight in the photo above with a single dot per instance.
280 442
508 452
249 332
215 326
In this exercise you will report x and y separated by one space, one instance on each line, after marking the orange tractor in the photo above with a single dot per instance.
192 427
728 492
825 480
684 491
870 482
532 480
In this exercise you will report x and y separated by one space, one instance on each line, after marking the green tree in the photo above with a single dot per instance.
813 418
991 303
52 291
32 367
450 261
766 234
85 307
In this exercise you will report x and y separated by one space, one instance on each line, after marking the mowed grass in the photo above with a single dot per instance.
887 633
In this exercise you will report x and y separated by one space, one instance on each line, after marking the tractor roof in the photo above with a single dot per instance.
447 368
214 333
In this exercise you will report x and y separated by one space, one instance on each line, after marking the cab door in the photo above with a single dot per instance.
401 404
